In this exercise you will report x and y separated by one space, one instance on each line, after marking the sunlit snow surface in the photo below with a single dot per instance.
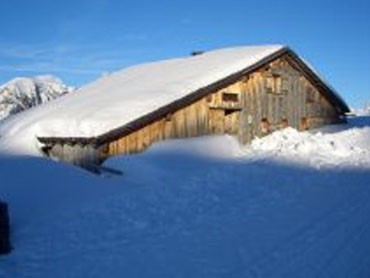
290 205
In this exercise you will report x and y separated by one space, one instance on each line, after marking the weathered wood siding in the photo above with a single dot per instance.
273 97
86 156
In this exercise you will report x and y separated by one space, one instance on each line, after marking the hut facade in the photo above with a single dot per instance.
273 90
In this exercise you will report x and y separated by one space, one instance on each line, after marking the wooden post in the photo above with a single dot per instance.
4 229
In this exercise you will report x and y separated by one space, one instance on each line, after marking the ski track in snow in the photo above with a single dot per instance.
190 210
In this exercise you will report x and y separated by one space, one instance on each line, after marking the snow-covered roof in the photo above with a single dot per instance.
121 97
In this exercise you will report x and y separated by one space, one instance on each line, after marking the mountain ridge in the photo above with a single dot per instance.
22 93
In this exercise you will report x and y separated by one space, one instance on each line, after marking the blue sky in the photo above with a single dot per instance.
80 40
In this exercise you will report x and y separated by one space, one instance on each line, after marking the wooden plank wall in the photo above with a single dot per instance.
271 98
77 154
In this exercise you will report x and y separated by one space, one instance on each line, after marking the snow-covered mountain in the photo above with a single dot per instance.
22 93
364 111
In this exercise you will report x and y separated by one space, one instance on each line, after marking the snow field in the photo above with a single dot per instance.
202 207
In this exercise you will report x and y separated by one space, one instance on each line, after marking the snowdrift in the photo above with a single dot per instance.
202 207
349 147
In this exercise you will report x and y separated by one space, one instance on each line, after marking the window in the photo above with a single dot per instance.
310 95
284 86
245 79
230 97
273 84
304 124
265 125
168 117
270 85
284 123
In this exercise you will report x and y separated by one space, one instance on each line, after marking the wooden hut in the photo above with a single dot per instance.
274 91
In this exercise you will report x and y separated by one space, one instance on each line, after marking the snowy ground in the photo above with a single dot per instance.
290 205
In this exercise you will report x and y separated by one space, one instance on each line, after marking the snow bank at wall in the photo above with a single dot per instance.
327 148
333 146
346 145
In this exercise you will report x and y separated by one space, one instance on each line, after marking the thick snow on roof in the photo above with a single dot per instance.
123 96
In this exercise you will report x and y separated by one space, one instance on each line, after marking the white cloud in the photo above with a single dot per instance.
74 62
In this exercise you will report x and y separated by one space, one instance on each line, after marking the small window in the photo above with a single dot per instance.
273 85
284 86
230 111
245 79
304 123
270 85
310 95
265 125
168 117
284 123
230 97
